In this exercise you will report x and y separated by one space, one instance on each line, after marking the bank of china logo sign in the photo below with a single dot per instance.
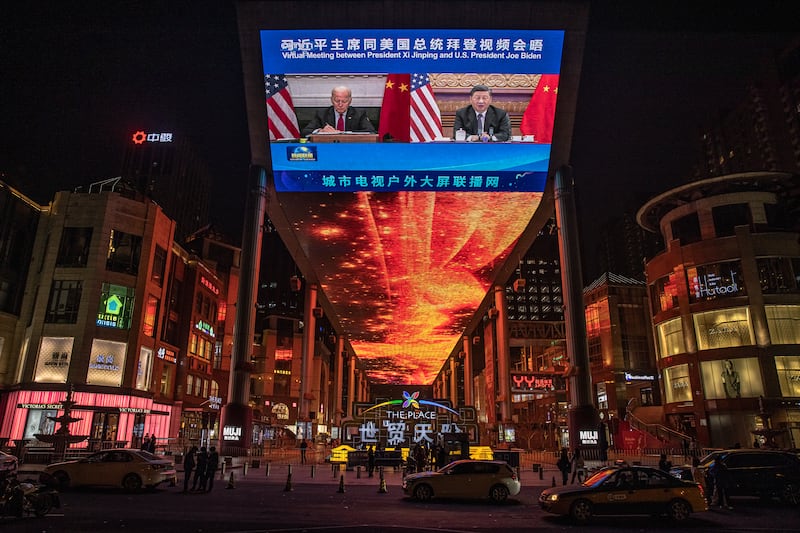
412 401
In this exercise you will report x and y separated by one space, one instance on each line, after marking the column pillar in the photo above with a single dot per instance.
467 344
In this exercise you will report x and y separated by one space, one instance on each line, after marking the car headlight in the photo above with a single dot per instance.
552 498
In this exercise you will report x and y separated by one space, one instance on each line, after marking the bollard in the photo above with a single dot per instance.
288 487
231 484
290 467
382 487
333 469
341 484
554 481
541 472
313 470
269 464
222 476
358 472
244 469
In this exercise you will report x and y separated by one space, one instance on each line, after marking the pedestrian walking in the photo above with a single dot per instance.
722 481
563 465
577 466
664 464
145 443
199 481
151 446
189 462
211 467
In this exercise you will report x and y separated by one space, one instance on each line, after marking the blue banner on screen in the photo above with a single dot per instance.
410 90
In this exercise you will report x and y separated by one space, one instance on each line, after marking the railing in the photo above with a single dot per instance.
661 432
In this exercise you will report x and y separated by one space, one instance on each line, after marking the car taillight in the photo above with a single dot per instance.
702 491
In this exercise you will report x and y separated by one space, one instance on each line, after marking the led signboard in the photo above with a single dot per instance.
405 226
402 63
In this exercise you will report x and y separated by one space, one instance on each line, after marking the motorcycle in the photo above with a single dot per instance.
18 498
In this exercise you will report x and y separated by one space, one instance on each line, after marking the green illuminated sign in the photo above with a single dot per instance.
116 307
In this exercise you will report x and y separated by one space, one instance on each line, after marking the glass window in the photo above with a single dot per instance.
784 323
686 229
727 217
166 378
52 364
106 363
664 292
74 248
124 251
776 275
159 265
65 300
670 337
677 386
788 367
723 328
715 280
144 368
189 384
732 378
150 316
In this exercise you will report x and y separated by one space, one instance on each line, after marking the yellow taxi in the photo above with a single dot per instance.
126 468
628 490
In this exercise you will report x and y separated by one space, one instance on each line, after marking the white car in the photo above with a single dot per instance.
126 468
8 463
467 478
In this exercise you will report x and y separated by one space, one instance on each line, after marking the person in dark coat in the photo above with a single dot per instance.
371 461
199 481
189 462
664 464
563 465
722 481
151 446
211 467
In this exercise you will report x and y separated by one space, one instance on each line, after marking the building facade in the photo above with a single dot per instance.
118 315
725 304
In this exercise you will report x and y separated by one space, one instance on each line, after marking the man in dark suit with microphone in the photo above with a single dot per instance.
340 116
481 121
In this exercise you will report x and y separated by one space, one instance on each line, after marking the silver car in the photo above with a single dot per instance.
467 478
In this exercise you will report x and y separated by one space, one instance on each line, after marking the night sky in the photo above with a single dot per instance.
76 79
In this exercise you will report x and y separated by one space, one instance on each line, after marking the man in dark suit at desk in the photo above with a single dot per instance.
481 121
340 116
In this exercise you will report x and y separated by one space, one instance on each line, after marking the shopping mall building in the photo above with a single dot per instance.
725 297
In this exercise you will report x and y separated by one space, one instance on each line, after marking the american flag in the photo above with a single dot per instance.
280 110
426 122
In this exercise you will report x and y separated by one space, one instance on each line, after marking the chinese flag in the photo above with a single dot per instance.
541 111
395 121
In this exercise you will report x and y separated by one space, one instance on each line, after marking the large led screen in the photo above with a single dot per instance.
404 219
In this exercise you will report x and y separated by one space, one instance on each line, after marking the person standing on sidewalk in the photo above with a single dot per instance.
303 448
563 465
199 481
189 463
211 467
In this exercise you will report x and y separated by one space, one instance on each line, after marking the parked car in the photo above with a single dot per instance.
467 478
126 468
8 463
629 490
756 472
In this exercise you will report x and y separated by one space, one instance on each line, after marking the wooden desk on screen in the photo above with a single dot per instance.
344 138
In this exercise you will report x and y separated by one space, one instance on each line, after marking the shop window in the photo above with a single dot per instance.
731 378
677 386
784 323
724 328
189 384
124 251
727 217
687 229
788 367
670 337
74 248
65 299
